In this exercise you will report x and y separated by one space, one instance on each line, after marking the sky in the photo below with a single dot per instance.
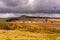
12 7
7 15
29 5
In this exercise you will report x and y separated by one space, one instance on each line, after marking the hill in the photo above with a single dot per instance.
30 27
33 19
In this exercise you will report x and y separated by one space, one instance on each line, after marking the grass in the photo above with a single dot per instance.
24 31
32 27
17 35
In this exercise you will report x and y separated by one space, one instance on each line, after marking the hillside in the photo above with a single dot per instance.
32 19
24 35
30 27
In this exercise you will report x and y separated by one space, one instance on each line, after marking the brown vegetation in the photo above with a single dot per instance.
32 27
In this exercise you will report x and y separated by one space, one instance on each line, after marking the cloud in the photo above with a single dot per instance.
7 15
17 5
2 5
29 5
14 6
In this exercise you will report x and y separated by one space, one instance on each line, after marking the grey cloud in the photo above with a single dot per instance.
6 15
44 5
36 5
11 3
16 5
15 2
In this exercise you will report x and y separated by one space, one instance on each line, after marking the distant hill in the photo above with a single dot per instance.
29 18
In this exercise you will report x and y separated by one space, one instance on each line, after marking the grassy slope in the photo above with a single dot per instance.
16 35
23 33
